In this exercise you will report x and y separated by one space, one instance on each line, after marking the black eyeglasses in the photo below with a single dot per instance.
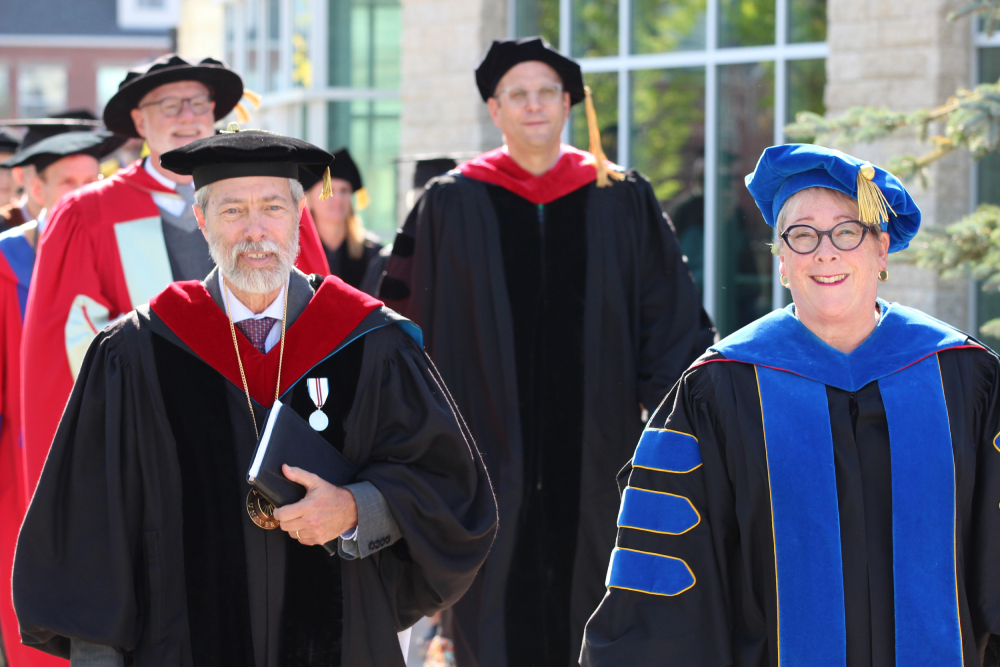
172 106
804 239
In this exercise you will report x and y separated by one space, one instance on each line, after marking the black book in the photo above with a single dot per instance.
289 439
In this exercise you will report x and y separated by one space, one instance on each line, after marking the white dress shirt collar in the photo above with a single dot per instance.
240 312
172 204
147 164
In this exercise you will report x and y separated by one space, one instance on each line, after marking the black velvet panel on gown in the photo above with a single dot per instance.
214 551
544 251
351 271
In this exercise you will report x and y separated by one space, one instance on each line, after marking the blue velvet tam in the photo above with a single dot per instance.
784 170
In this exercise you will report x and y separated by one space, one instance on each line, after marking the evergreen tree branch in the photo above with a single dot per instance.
989 8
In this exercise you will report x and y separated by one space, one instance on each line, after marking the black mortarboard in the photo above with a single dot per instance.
8 142
75 120
43 153
239 153
225 85
504 55
344 168
429 168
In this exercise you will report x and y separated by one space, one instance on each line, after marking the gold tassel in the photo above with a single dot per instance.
595 144
363 200
242 115
873 208
254 98
327 185
144 153
233 127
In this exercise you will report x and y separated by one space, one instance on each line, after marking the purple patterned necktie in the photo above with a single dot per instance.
256 330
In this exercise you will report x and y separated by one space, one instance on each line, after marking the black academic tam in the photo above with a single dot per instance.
138 536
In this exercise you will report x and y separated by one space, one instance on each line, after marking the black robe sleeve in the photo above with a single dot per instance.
693 627
75 570
426 465
674 329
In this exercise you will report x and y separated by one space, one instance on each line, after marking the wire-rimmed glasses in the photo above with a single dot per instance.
172 106
546 94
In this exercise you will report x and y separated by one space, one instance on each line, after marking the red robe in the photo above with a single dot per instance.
16 260
102 254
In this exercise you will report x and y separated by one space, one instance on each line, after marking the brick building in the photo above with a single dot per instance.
59 54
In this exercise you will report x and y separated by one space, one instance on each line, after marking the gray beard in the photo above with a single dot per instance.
250 280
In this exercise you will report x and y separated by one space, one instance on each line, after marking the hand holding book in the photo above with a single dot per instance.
326 512
289 445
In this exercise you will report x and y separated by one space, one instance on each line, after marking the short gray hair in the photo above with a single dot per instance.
204 193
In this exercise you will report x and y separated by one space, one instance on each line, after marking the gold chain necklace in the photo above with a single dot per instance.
259 508
281 353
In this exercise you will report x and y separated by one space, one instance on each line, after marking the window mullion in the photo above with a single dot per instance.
624 156
711 157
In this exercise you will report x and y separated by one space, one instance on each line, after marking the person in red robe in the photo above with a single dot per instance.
112 246
56 166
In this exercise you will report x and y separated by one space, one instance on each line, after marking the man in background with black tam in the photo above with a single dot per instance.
27 207
559 309
113 246
146 544
53 166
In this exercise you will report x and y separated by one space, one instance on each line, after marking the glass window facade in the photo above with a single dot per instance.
41 89
690 92
330 74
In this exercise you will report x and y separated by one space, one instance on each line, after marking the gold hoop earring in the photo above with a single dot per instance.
883 275
783 280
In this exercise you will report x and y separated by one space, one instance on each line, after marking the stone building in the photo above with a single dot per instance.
688 91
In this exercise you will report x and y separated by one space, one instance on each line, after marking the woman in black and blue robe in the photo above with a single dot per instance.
822 487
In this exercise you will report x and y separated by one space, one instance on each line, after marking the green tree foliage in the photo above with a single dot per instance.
970 122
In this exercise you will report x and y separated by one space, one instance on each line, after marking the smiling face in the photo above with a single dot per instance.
535 125
63 176
164 133
252 228
831 286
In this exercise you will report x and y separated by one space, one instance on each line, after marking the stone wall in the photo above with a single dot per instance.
442 112
906 56
442 42
200 31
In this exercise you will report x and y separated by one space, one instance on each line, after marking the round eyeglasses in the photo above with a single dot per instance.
547 94
804 239
172 106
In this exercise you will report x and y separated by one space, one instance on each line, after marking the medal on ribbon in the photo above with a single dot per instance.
319 389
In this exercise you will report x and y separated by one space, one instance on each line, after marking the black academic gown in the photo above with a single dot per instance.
353 271
728 615
615 321
138 536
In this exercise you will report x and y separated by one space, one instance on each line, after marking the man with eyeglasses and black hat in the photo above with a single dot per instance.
146 543
54 167
113 246
558 307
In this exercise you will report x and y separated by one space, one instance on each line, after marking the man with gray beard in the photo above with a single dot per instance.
146 545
